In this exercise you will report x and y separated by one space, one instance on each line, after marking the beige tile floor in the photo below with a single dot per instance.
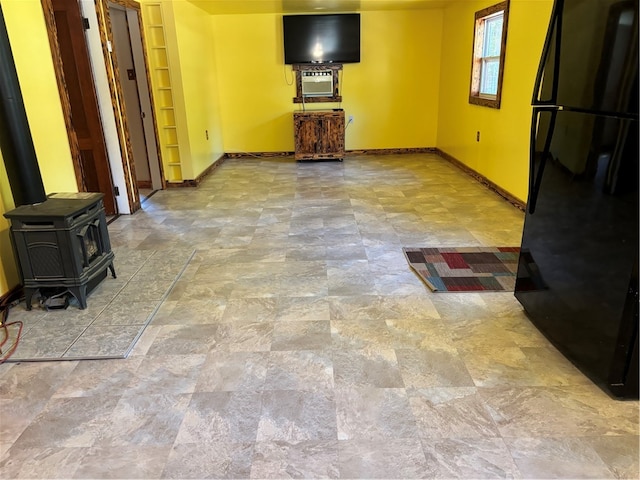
299 344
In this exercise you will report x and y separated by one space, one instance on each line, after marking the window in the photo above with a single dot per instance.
489 41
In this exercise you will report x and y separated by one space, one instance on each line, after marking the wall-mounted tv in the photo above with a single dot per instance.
326 38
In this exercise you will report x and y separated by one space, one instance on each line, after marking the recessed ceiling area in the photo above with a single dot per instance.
232 7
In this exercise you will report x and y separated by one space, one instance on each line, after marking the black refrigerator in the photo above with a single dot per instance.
577 275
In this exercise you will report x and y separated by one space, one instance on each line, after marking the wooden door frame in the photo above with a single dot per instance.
117 102
135 41
117 95
106 185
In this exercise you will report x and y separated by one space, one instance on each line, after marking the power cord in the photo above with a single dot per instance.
284 70
349 122
9 302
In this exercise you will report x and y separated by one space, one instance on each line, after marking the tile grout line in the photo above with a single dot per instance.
160 303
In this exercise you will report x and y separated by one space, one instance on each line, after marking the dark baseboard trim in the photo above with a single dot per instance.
258 154
391 151
516 202
182 184
373 151
198 180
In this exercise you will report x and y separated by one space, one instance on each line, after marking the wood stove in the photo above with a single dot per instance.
62 242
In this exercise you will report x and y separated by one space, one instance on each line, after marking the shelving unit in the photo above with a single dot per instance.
164 94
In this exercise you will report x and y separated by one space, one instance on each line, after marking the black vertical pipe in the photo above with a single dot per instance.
16 143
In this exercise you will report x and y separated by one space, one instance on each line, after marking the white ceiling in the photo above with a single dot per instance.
226 7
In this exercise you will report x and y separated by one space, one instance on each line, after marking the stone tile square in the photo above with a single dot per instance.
470 458
306 459
577 410
621 453
166 374
451 412
126 314
420 333
557 458
233 371
33 382
371 367
368 413
209 460
383 459
204 310
117 463
250 310
184 339
42 462
432 368
360 334
295 416
243 336
150 420
302 308
221 417
309 335
99 378
377 306
68 422
305 370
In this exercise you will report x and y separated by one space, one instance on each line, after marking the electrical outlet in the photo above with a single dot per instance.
477 136
350 118
206 134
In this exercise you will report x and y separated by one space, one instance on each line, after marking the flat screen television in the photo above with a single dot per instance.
326 38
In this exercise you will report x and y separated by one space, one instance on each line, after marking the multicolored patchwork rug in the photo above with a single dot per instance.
465 269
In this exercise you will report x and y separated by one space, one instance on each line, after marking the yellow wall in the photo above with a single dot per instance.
502 154
392 94
32 56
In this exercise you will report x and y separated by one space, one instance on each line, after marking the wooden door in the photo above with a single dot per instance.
77 89
332 128
306 134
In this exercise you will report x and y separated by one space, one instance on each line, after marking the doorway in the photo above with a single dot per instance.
129 51
125 121
79 101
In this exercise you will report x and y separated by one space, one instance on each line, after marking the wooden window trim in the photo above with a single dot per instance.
335 69
475 97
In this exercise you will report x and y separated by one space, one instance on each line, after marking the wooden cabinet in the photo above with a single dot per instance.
319 134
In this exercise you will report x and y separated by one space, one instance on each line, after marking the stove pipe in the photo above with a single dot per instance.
16 143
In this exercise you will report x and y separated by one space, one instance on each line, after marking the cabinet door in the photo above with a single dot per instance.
306 137
332 127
